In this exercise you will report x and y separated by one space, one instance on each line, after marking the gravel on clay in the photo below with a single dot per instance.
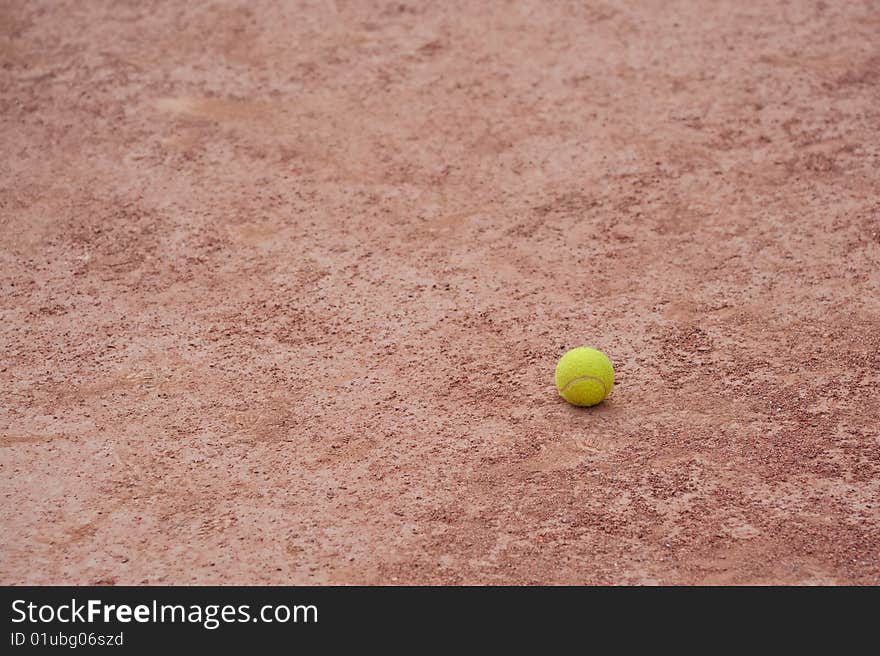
283 285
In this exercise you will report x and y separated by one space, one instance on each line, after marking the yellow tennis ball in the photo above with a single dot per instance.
584 376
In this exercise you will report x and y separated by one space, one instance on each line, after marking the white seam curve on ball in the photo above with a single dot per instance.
580 378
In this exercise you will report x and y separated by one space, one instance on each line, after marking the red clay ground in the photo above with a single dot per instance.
283 287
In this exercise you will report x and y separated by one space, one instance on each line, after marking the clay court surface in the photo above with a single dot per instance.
283 284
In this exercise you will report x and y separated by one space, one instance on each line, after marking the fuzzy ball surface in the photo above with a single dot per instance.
584 376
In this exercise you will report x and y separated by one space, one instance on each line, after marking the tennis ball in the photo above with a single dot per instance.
584 376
